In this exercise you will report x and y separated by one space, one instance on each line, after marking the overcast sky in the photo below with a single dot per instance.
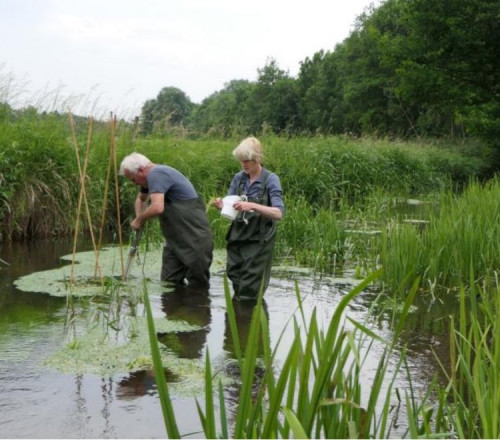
113 55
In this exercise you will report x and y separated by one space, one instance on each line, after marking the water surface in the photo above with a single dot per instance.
38 401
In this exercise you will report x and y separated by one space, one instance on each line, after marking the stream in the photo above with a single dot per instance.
40 401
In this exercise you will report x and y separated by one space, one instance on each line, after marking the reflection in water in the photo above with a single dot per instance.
193 307
107 397
426 332
137 383
79 417
243 311
140 383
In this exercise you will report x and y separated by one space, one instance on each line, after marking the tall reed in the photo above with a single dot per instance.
469 403
165 400
463 238
38 198
315 392
312 236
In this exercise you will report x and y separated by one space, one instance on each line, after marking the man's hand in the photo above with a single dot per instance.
136 224
155 208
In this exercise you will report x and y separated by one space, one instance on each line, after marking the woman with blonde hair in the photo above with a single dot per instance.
251 236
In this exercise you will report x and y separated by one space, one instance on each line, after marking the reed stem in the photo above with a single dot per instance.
117 192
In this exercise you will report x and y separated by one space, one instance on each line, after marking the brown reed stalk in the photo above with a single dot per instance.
79 207
117 192
87 210
83 194
106 188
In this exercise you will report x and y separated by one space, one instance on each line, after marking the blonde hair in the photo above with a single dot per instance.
249 149
133 162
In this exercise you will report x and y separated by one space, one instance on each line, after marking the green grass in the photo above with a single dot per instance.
331 185
468 404
461 243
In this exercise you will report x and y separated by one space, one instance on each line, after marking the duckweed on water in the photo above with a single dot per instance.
86 281
56 282
100 347
98 351
101 352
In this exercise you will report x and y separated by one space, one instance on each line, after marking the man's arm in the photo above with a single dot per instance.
143 212
140 203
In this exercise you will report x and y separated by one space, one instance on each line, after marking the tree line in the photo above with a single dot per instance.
409 69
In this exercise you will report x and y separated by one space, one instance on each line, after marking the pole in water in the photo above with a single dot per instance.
132 252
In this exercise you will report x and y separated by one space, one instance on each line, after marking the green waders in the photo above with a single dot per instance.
250 243
187 254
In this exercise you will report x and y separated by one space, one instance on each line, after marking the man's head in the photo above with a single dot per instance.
135 167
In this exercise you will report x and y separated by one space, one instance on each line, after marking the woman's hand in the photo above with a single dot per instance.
244 206
267 211
218 203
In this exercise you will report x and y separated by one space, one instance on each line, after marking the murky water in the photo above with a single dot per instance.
37 401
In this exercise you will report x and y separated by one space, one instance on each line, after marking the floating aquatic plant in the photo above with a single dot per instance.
109 337
105 352
55 282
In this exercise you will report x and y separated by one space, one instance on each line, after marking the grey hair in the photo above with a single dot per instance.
249 149
133 162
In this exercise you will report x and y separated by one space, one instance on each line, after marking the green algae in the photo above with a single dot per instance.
83 280
107 338
104 353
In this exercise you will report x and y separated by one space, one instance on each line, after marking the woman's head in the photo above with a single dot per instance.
249 149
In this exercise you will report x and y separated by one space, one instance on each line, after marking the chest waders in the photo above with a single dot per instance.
187 254
250 243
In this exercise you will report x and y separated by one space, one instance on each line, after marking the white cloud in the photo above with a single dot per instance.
130 49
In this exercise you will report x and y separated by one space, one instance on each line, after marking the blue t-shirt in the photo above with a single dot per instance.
273 186
167 180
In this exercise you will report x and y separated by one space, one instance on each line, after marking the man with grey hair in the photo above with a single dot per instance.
187 254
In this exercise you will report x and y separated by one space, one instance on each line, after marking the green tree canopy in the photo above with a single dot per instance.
172 107
409 68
